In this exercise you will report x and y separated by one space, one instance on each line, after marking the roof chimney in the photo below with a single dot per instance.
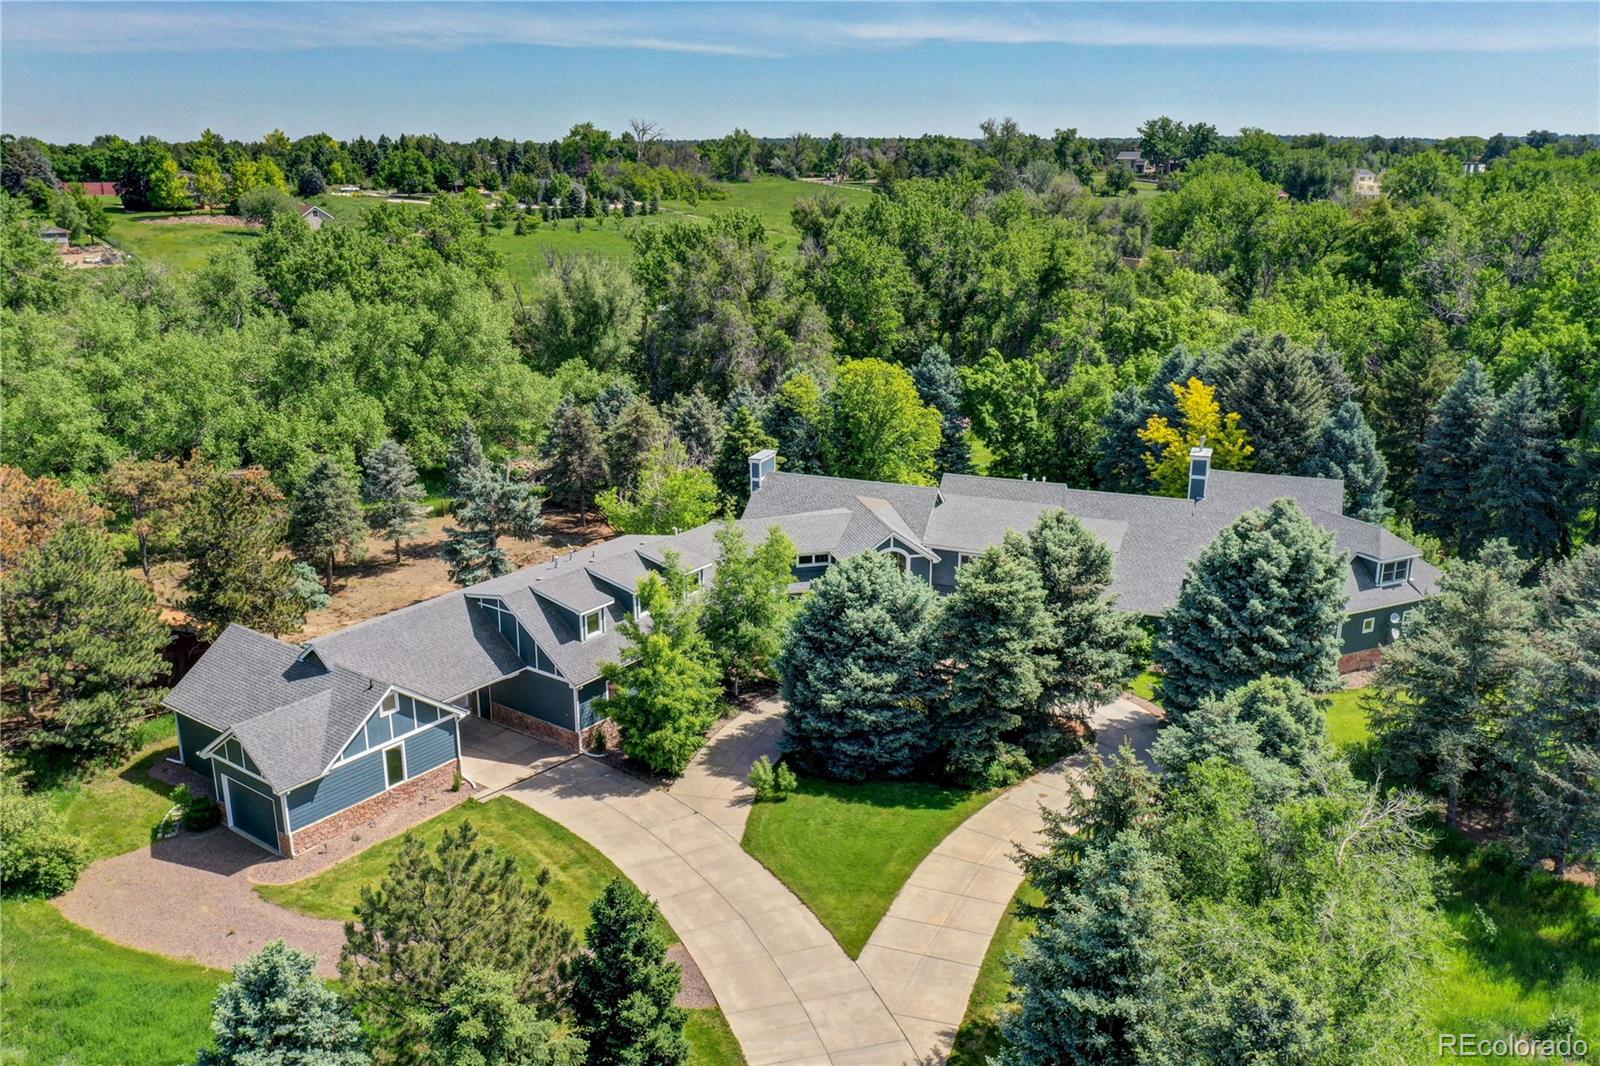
762 464
1199 470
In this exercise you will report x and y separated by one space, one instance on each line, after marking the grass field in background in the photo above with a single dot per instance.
845 849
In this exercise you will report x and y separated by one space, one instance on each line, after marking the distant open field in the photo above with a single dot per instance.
185 246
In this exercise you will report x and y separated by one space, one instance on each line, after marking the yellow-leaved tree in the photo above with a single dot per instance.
1201 425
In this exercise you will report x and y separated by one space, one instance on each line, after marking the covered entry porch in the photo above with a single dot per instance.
494 757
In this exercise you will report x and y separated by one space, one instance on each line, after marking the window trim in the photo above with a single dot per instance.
1399 571
405 774
814 559
1369 625
599 614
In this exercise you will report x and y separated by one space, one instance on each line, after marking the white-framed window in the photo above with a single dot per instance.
394 765
1394 571
963 558
1368 625
594 624
814 560
387 707
1405 617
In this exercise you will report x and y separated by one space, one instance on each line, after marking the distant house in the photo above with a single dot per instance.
56 235
348 189
1366 184
99 188
1474 166
1283 194
314 215
1135 161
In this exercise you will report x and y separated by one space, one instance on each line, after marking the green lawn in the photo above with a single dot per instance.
1145 686
578 872
186 246
71 997
1347 722
118 811
846 849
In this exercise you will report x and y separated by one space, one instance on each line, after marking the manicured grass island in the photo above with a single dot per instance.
845 849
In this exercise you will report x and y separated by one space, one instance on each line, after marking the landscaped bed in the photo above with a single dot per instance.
846 849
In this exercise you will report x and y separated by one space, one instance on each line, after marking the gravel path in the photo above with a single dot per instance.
191 897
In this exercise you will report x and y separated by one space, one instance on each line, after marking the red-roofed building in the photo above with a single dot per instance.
99 188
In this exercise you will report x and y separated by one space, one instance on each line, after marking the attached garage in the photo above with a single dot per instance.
250 812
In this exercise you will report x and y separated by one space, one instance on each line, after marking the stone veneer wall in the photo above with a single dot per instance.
606 726
1360 660
438 779
512 718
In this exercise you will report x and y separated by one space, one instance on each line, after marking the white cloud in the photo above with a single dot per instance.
786 30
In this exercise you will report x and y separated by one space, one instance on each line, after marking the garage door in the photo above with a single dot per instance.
251 813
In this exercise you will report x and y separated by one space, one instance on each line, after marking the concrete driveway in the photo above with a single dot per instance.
494 757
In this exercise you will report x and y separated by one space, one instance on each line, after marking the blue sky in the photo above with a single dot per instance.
70 71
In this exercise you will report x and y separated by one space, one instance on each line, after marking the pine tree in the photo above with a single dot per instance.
612 401
856 672
637 431
1348 449
1439 699
1090 983
465 456
665 689
404 952
1400 400
80 643
277 1012
995 641
492 505
748 606
1523 480
233 537
744 437
1447 463
577 461
624 988
1095 643
698 423
326 516
1265 597
940 387
1281 397
793 419
481 1022
394 495
153 493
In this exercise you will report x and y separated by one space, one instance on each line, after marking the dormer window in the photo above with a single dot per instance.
594 624
1394 572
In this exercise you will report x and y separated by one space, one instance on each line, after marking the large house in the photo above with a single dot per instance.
299 740
1365 184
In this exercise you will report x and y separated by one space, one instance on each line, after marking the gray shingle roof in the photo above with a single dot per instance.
789 494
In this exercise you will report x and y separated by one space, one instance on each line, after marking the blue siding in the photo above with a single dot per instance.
810 573
430 749
624 595
194 737
1354 640
544 698
591 703
344 787
246 781
944 571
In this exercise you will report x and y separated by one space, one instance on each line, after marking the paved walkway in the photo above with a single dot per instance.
494 757
790 993
923 957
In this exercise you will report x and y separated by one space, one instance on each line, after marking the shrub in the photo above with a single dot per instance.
199 813
37 855
771 782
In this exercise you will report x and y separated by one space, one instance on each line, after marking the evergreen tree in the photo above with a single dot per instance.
665 690
80 644
744 437
465 456
1523 480
1439 700
577 461
326 517
153 493
483 1023
698 423
1265 597
1091 983
233 538
624 988
793 419
1348 449
277 1012
748 606
857 672
1447 462
612 401
995 640
394 495
940 387
1292 724
1400 400
404 952
1569 586
492 505
1096 644
1281 397
637 431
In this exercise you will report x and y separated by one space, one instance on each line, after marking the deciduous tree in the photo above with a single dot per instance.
671 495
1200 423
877 428
748 607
